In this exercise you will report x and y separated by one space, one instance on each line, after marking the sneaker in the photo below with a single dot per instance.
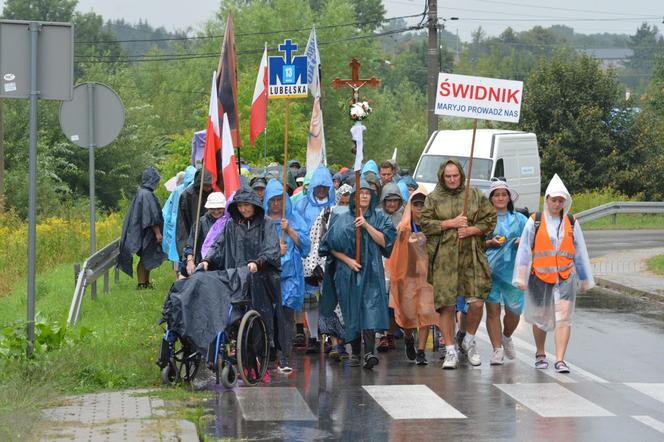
383 344
561 367
540 362
299 340
508 346
370 361
421 358
343 354
471 352
354 361
451 361
497 356
284 367
313 346
333 355
443 352
459 341
267 378
391 343
411 354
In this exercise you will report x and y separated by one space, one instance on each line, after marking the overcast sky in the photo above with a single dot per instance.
585 16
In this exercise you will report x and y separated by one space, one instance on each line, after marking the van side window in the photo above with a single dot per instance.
500 169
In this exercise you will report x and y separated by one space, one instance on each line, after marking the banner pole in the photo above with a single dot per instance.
285 195
358 236
267 102
470 170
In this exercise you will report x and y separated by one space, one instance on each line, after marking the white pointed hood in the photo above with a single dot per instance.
556 187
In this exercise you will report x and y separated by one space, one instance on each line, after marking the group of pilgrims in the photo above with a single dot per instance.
425 263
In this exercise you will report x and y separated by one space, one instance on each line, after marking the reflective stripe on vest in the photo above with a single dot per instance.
551 265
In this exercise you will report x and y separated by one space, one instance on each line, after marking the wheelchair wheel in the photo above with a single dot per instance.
252 348
183 364
228 376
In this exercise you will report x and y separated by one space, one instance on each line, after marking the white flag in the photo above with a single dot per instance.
313 64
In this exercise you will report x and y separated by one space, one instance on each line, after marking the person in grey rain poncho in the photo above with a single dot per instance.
552 260
249 239
141 231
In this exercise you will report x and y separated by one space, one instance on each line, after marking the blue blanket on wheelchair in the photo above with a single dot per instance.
198 308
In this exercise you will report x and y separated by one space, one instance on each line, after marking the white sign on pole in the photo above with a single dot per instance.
479 97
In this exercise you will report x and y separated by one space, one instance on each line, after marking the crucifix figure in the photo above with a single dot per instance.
355 82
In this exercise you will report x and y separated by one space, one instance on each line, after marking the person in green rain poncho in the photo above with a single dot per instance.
459 265
359 287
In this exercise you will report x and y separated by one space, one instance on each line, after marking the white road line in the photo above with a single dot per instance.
575 369
655 391
651 422
553 400
412 402
273 404
530 361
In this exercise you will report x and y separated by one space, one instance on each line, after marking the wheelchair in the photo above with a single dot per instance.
239 351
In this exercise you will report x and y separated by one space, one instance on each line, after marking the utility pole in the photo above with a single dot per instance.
433 65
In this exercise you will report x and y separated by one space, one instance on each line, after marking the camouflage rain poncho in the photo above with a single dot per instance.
454 270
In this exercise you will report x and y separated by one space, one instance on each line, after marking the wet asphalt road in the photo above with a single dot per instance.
602 242
615 390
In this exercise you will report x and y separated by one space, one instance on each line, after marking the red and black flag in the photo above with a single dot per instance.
227 83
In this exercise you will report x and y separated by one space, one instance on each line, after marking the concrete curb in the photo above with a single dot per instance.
631 291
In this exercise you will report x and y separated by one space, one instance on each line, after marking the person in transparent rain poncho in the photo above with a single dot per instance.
552 263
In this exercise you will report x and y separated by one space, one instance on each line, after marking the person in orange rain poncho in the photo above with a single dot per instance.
411 296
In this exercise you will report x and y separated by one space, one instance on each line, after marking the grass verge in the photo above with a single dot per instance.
656 264
119 354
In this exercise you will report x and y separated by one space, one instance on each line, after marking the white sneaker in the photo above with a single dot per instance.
451 361
508 345
471 352
497 356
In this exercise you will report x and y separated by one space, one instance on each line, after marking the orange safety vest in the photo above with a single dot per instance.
551 265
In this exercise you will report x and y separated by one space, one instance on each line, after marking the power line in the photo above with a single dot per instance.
553 8
245 34
174 57
623 19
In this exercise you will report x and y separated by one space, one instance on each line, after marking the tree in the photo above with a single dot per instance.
42 10
567 103
370 13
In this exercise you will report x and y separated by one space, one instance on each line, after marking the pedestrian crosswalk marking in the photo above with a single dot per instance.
574 369
552 400
655 391
651 422
412 402
273 404
530 361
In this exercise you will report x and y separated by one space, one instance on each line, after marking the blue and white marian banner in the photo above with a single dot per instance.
479 97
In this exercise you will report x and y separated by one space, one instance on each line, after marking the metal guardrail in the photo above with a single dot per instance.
94 267
616 207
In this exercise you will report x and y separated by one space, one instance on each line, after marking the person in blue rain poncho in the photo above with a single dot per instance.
295 246
359 287
170 213
320 196
501 250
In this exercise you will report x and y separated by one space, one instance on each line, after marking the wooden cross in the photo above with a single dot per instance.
355 82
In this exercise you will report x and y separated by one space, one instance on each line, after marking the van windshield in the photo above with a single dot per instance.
427 171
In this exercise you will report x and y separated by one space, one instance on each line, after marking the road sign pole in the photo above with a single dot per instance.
34 29
91 155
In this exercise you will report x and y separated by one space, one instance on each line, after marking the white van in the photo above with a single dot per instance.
498 153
